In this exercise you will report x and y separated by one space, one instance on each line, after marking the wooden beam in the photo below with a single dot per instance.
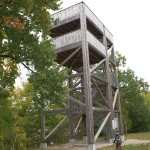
75 100
75 75
69 57
98 104
78 88
99 78
78 124
99 91
76 84
97 65
55 129
101 127
57 111
100 109
115 98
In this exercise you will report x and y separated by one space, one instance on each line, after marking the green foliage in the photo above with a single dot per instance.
28 111
24 40
11 131
135 112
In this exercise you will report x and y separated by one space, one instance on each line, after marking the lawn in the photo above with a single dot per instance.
130 147
140 136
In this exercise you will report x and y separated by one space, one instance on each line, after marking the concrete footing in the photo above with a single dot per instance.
43 146
111 140
122 138
85 139
72 141
91 147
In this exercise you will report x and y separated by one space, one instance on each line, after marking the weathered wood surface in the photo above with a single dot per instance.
55 129
101 127
67 13
93 18
95 43
86 78
68 39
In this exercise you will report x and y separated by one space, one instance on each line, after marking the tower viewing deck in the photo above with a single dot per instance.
67 34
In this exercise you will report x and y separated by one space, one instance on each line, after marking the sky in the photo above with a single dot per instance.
129 22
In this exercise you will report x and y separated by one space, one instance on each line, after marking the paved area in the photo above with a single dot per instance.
135 141
82 146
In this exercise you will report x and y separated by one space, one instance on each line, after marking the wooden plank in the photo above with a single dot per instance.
68 47
97 65
75 100
69 57
55 129
67 13
115 98
66 21
101 127
67 39
95 43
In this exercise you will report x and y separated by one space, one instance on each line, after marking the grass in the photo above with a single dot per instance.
130 147
140 136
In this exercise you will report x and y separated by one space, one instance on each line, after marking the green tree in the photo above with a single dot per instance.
27 110
24 36
135 112
24 40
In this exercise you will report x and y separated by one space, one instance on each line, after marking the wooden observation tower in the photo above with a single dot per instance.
85 46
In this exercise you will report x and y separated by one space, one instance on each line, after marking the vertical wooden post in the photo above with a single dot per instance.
109 88
83 116
42 122
70 114
87 80
118 97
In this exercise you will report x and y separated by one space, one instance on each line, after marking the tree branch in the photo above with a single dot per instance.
8 56
27 67
5 56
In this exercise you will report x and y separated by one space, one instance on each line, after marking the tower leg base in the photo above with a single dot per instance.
111 140
43 146
72 141
91 147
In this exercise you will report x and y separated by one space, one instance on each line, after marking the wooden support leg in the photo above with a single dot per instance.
70 115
